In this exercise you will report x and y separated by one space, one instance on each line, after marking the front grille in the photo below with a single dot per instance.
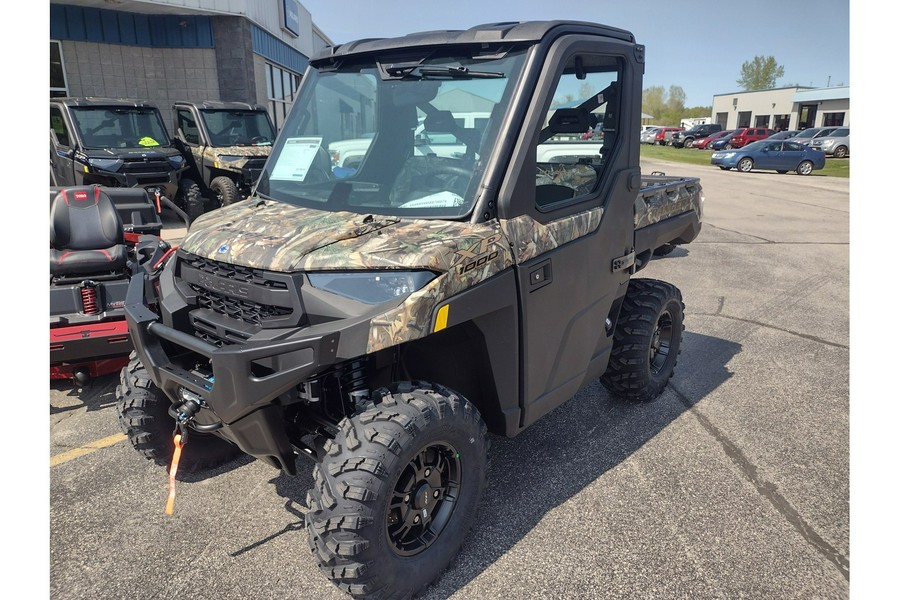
232 302
253 313
145 166
235 272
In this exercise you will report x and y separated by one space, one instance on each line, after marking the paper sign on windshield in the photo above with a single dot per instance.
295 158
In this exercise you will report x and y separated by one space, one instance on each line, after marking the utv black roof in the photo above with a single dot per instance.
490 33
91 101
215 105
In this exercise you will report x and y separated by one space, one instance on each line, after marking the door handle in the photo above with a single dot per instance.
540 275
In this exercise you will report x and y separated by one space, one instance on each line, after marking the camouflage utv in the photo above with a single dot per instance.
226 145
381 318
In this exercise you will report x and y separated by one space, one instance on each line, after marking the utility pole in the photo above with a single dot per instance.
829 82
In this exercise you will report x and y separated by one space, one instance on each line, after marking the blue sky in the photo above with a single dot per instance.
698 44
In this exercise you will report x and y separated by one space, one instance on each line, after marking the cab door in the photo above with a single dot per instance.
569 221
62 152
190 140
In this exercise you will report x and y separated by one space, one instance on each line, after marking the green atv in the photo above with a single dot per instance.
226 144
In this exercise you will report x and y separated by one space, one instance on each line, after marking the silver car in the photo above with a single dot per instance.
648 136
836 143
808 135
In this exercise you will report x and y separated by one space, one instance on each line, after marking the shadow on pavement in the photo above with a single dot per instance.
553 460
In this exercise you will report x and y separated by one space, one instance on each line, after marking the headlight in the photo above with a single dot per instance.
106 164
371 287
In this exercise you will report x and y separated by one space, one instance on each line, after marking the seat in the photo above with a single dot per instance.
86 234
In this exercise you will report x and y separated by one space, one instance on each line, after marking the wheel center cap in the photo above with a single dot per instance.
423 497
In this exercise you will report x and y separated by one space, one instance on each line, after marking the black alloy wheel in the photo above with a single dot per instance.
424 499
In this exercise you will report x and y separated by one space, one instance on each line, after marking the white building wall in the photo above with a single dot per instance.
763 102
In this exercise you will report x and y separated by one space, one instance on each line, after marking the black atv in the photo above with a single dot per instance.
99 237
119 143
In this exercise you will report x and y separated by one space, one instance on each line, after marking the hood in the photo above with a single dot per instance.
275 236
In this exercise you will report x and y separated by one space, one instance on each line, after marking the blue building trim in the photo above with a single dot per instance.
271 48
85 24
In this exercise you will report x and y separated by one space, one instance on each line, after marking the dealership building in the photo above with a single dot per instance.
784 108
166 50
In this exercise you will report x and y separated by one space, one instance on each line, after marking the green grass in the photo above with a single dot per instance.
834 167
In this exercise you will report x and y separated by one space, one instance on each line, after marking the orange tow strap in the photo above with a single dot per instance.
158 207
170 505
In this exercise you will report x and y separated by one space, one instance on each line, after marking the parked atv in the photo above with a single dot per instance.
99 238
119 143
226 144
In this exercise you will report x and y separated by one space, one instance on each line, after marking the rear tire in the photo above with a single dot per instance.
144 418
780 172
646 342
225 190
805 168
194 203
396 491
745 165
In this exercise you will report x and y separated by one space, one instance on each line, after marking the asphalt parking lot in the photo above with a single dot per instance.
733 484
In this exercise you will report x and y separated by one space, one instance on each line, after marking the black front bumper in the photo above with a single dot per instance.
241 393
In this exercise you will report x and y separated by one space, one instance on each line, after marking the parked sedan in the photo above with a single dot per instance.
783 135
707 141
781 156
648 136
720 143
836 144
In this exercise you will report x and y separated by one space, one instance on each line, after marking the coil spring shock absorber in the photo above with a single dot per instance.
89 299
354 383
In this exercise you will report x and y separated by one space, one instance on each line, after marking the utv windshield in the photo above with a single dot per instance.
119 127
238 128
392 137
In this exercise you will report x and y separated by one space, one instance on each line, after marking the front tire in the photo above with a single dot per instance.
646 341
689 143
143 416
194 203
840 152
225 190
745 165
805 168
397 490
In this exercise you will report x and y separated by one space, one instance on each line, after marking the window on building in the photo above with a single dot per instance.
833 119
761 121
782 122
281 89
58 86
722 119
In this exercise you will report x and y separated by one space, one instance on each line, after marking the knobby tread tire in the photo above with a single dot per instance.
628 374
225 188
143 416
194 202
353 485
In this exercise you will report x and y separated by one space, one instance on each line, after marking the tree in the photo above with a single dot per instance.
760 73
